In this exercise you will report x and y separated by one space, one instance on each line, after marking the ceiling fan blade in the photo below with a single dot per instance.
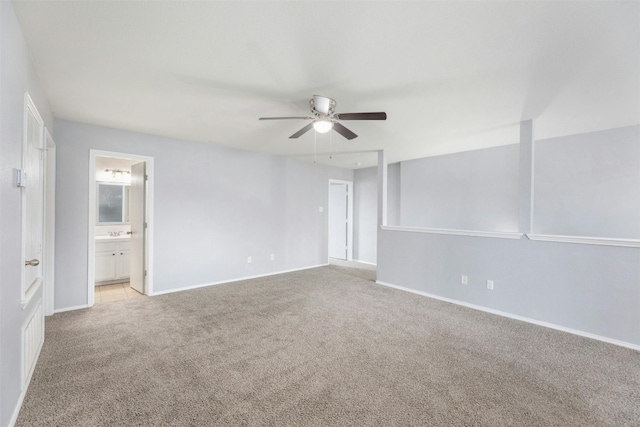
302 131
344 131
361 116
285 118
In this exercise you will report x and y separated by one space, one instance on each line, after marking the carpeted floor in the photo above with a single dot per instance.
321 347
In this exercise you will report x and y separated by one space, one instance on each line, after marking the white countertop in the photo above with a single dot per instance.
122 237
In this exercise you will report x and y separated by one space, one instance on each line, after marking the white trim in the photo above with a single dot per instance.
204 285
75 307
516 317
349 185
50 220
606 241
92 215
475 233
365 262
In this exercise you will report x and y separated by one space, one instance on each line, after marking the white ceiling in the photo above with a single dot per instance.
452 76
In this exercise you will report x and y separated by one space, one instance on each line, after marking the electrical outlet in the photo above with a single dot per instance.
464 280
490 284
273 256
249 260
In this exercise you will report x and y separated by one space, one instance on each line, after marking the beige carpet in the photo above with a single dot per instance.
322 347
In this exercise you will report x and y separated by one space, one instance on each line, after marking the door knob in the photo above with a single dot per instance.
34 262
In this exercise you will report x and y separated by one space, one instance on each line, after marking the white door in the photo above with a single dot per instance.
338 220
137 218
34 199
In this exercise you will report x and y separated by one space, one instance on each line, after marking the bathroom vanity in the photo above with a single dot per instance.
112 258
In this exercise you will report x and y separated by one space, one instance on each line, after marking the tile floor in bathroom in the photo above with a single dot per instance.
115 292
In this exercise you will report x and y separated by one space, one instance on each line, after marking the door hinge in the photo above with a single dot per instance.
145 273
20 178
146 225
146 177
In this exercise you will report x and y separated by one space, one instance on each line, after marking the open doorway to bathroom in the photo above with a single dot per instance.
120 212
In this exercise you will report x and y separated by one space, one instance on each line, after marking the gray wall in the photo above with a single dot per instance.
214 207
365 209
589 185
473 190
365 214
394 186
17 75
594 289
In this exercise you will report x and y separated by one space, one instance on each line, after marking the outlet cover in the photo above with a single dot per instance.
464 280
273 256
249 260
490 284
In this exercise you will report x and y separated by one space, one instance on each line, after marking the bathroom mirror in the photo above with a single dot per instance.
113 203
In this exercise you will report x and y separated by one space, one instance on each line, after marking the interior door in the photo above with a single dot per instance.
34 199
137 218
338 220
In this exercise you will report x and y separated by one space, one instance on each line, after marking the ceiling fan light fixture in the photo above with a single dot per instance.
322 126
325 118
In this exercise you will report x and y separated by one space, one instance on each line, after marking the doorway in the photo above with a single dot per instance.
120 226
340 217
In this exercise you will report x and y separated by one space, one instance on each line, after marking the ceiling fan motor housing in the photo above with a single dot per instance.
322 106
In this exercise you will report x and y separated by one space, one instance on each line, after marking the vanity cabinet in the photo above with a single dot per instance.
112 261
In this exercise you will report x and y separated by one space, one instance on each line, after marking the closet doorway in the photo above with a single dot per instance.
340 218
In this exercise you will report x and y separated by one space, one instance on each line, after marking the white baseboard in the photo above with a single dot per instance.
475 233
75 307
516 317
204 285
606 241
366 262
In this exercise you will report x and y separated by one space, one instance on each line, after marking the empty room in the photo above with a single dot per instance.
313 213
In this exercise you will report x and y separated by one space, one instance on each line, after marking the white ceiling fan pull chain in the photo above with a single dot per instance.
330 146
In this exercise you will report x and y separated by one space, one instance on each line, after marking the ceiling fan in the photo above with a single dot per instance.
325 118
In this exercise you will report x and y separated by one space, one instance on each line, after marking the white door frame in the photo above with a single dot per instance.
49 220
349 216
91 246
